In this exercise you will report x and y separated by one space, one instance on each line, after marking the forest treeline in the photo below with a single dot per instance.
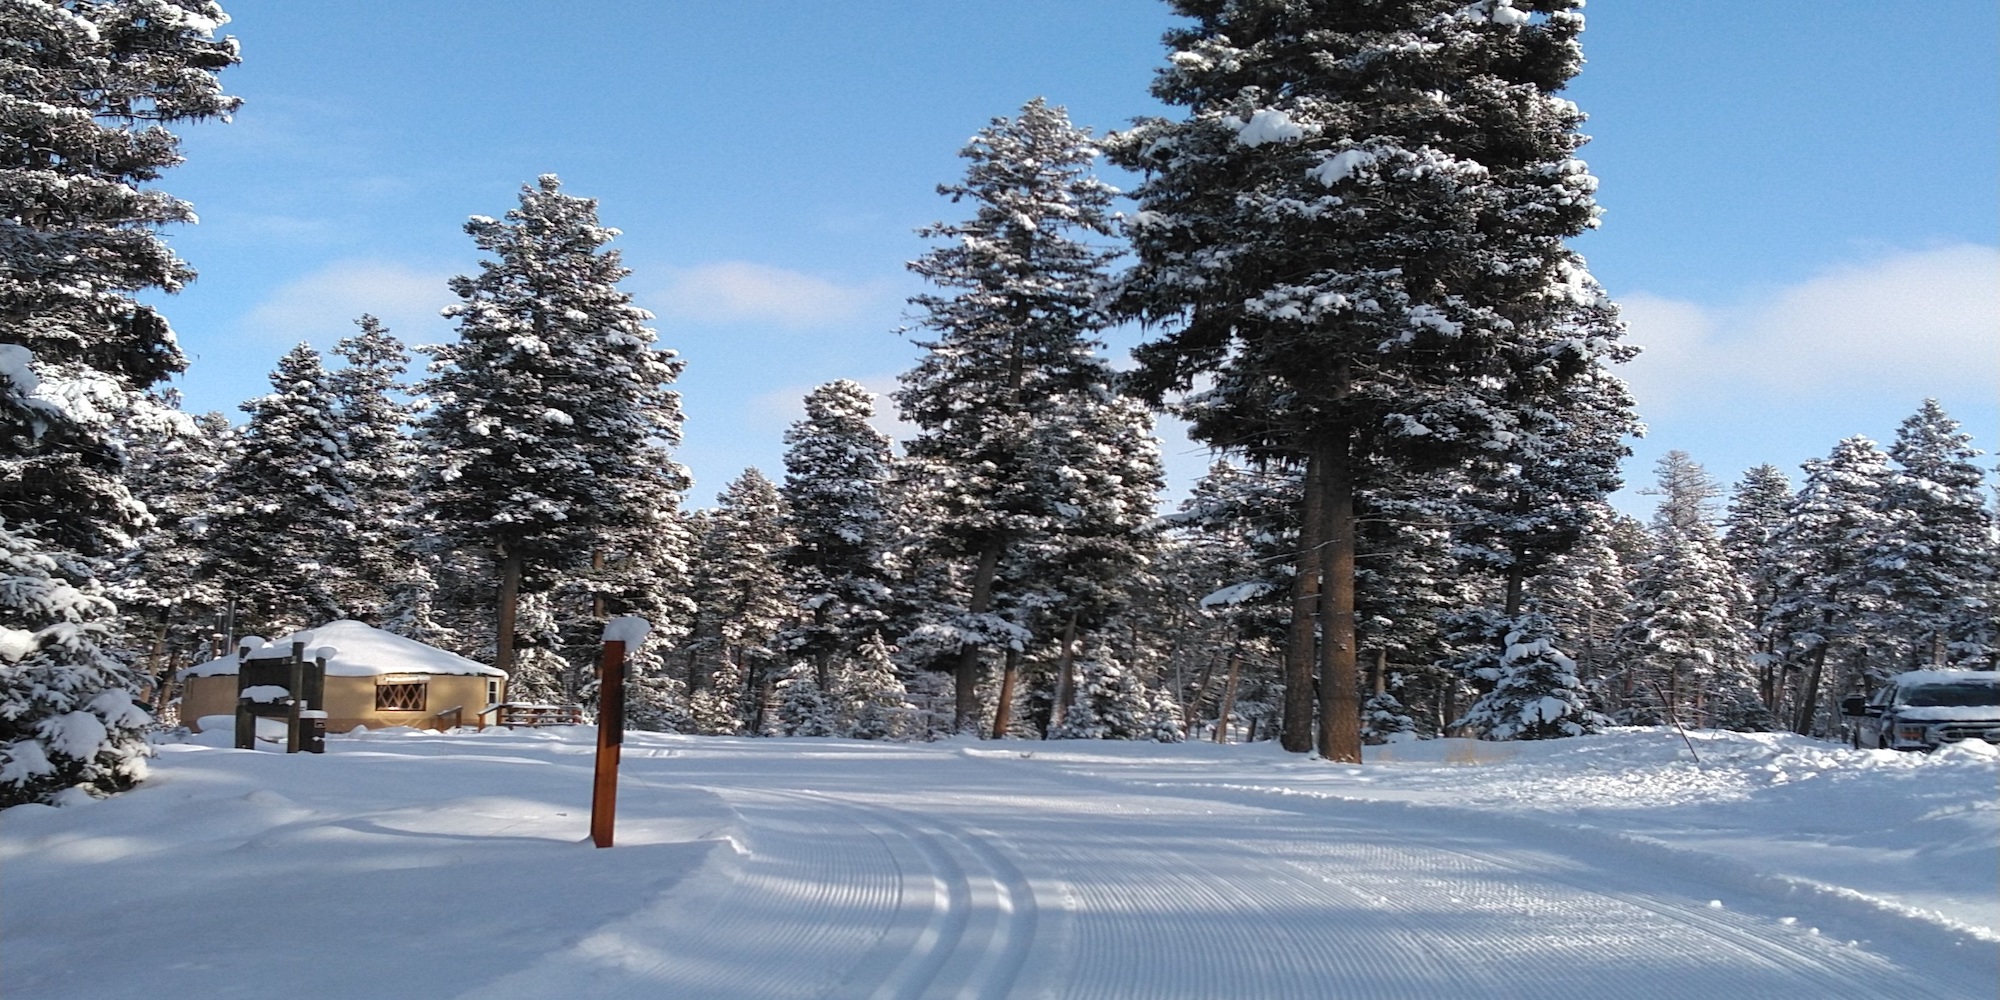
1348 251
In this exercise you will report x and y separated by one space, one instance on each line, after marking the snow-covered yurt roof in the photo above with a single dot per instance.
353 649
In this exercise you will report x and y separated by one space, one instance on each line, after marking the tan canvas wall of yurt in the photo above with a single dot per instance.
373 679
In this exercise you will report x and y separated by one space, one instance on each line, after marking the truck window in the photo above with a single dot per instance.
1956 694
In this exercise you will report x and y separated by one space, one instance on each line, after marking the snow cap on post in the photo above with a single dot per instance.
628 629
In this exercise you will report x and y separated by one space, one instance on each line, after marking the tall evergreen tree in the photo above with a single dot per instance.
1013 337
1525 507
1939 567
1086 569
1685 631
168 607
549 413
1686 640
284 509
841 529
379 467
740 603
1353 249
1757 510
90 89
1585 592
1829 581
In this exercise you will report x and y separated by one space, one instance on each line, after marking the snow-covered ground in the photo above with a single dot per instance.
414 864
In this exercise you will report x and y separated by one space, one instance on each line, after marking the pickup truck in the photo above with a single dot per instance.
1925 709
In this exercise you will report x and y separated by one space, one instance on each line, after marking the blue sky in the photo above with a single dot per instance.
1802 220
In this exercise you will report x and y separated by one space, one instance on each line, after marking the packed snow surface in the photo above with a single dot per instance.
417 864
353 649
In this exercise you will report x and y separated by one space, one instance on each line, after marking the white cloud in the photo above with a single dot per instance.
1908 325
321 307
739 292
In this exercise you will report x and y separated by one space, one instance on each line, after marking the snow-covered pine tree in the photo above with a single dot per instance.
1166 723
870 700
1525 506
541 672
1306 247
380 471
548 415
646 571
284 508
1384 720
1221 568
1110 703
1829 583
66 714
740 605
1756 513
1685 634
840 525
717 708
1406 579
91 89
1538 695
803 706
1939 566
171 462
1585 591
1013 336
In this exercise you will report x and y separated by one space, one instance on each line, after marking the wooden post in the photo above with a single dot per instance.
619 633
610 735
296 686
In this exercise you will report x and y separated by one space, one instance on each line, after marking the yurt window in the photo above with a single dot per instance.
401 694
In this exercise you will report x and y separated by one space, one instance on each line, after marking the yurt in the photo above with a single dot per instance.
373 679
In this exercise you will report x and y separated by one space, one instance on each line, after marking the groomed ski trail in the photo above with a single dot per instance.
884 873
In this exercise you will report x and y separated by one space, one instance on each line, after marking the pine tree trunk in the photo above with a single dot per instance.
1003 714
1192 709
597 596
1382 670
1809 693
1065 674
1340 697
1228 696
1296 733
1673 691
1767 682
510 605
823 660
965 681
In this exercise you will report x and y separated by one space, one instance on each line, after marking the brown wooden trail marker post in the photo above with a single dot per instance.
620 634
